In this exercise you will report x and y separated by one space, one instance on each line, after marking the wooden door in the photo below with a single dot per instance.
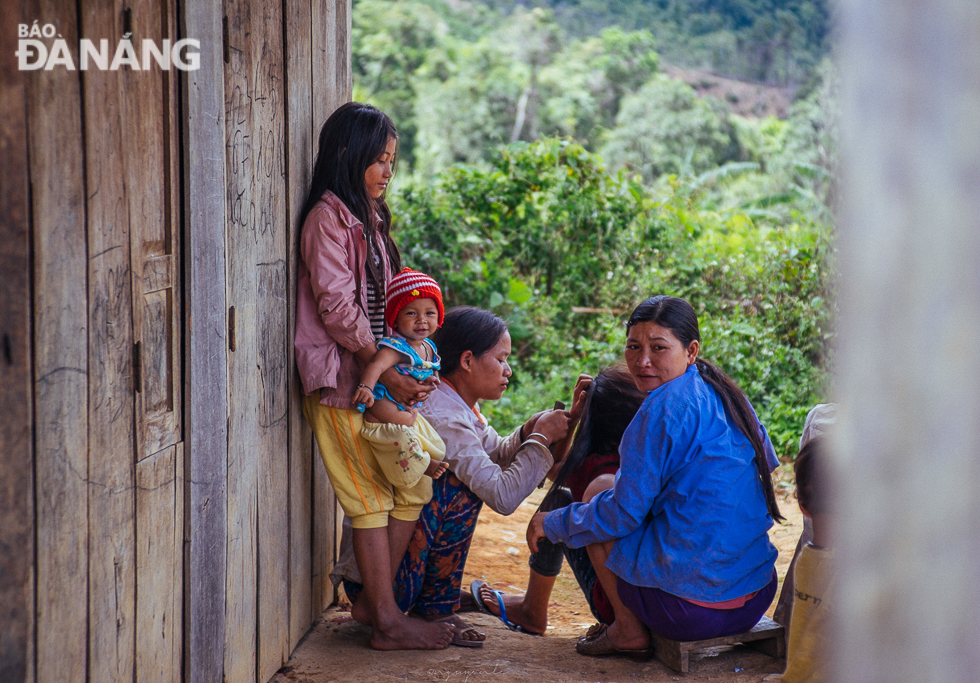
118 534
150 146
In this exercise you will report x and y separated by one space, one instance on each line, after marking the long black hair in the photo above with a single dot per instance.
811 486
678 316
466 328
351 140
611 402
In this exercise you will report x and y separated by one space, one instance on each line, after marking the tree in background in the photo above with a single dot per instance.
770 41
390 42
585 84
666 128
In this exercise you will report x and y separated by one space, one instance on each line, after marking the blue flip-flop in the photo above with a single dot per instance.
475 591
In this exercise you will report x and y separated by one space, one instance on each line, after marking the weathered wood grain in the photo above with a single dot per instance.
766 636
150 149
60 357
300 150
241 610
258 542
332 87
16 468
325 536
111 485
158 578
331 57
177 566
205 387
273 514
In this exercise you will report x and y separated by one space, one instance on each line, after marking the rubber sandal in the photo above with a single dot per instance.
597 644
475 591
459 628
466 642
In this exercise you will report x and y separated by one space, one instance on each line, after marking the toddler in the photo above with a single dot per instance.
408 448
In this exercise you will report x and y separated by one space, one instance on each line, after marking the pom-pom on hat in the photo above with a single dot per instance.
405 288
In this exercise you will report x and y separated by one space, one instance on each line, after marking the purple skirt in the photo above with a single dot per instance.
675 618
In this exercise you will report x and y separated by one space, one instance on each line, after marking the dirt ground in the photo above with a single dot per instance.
337 648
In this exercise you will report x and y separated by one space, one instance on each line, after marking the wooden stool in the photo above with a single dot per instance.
767 636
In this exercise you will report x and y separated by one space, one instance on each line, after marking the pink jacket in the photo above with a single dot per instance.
331 317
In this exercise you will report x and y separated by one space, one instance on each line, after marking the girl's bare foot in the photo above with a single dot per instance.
517 611
404 633
360 611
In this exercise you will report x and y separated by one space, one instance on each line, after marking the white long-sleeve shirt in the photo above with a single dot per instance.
500 470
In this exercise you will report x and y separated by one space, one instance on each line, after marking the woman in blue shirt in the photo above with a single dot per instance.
680 542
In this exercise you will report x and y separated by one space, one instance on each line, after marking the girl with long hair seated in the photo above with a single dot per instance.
603 407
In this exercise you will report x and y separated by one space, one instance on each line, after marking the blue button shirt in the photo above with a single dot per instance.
687 508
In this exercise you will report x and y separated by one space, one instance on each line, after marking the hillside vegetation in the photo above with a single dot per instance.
555 175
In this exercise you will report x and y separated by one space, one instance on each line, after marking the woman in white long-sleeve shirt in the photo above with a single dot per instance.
484 467
501 471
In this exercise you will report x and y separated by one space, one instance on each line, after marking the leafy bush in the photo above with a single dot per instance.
563 249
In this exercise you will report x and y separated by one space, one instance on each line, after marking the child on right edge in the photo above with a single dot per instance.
806 660
407 448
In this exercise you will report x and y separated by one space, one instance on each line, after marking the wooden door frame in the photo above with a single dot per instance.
16 442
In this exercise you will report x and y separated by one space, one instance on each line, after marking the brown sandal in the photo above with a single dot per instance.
459 628
596 643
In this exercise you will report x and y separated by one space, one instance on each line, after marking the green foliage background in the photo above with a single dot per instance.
549 172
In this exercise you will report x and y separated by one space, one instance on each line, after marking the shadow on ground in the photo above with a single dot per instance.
337 650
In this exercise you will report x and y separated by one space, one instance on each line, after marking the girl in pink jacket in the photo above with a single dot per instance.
346 259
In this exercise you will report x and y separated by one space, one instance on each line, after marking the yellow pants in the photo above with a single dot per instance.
359 481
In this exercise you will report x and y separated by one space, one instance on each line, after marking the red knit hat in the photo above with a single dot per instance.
405 288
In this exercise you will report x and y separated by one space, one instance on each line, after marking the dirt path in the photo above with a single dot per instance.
337 650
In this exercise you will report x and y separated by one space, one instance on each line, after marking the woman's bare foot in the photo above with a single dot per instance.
625 637
518 612
411 634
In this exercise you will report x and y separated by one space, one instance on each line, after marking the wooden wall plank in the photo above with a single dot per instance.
16 468
158 545
241 142
331 57
331 72
60 357
112 542
148 145
300 148
177 567
205 383
325 536
258 522
273 344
